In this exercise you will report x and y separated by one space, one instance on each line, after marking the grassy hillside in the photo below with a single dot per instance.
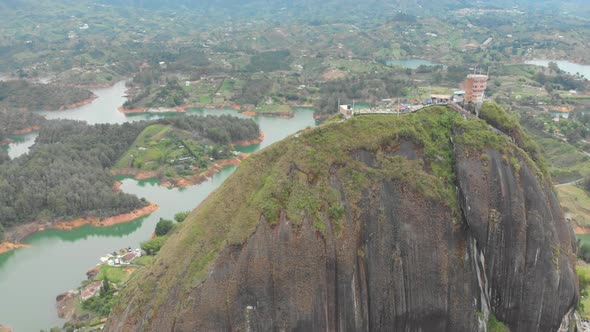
496 116
566 162
170 152
575 203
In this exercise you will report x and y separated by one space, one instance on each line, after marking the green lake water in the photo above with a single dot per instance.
31 278
410 63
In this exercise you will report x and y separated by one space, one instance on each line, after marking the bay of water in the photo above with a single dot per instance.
21 144
410 63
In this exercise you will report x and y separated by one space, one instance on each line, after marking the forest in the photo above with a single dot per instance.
66 174
21 94
169 96
253 91
14 120
221 130
3 156
559 80
269 61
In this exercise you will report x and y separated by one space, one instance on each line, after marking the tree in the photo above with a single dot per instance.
181 216
106 287
584 252
548 87
553 66
163 227
575 135
436 78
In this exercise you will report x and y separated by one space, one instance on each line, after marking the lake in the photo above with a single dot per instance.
105 110
410 63
57 261
567 66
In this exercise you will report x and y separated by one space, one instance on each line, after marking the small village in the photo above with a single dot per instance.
100 280
122 258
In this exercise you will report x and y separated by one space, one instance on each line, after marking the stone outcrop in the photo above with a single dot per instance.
391 254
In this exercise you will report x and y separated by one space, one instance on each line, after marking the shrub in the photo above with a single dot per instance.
164 227
100 305
181 216
494 325
103 303
152 246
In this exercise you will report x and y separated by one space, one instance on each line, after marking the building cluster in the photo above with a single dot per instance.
470 98
123 257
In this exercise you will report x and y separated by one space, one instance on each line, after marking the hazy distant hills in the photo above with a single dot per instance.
306 10
341 9
410 5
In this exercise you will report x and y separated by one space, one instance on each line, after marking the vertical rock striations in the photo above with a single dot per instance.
518 227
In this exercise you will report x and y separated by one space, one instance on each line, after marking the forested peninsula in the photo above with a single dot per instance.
68 172
18 122
24 95
18 98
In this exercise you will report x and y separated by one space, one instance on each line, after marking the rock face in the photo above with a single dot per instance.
346 229
519 231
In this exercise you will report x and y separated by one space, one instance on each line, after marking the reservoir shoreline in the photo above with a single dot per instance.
19 233
181 182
